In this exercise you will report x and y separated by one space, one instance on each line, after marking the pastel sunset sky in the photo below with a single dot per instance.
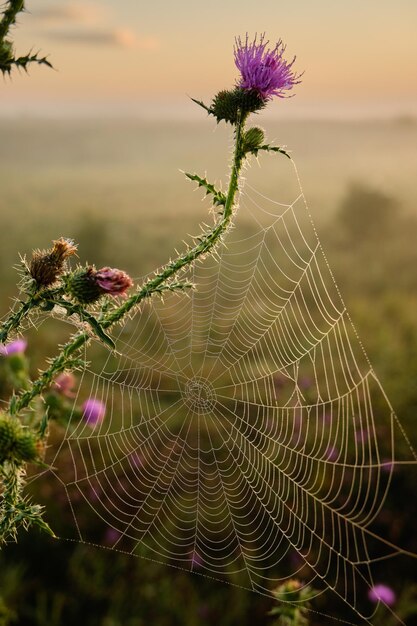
135 56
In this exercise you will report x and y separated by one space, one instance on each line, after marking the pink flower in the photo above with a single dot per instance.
93 411
264 70
64 384
382 593
14 347
113 281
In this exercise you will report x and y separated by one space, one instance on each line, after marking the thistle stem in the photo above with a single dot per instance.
15 320
207 243
9 16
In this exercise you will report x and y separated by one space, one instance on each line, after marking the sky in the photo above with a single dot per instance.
146 57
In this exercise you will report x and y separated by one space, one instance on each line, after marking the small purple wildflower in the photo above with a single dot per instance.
196 560
263 69
387 465
111 536
382 593
93 411
332 453
14 347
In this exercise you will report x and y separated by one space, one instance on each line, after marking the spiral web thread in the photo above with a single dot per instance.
247 437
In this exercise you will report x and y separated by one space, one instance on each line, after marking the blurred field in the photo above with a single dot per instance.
115 187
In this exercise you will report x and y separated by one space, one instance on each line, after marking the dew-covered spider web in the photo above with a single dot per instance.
247 437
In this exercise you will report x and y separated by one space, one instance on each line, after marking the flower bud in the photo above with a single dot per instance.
26 447
232 105
83 286
113 281
47 265
87 285
253 139
10 428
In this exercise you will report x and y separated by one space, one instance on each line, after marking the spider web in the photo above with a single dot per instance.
247 436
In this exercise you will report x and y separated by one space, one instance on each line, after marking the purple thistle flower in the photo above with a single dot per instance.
93 411
264 70
382 593
112 281
14 347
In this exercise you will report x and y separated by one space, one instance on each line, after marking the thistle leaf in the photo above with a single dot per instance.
219 198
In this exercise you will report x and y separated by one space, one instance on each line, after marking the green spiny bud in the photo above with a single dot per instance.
26 447
225 106
236 104
82 285
253 139
10 430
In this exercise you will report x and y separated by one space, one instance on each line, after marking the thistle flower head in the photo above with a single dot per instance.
264 70
88 285
113 281
14 347
47 265
93 411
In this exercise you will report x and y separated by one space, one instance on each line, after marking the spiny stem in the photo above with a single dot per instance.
15 320
9 16
61 361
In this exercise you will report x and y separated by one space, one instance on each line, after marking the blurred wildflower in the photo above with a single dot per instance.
47 265
14 347
362 435
93 411
264 70
387 465
382 593
111 536
196 560
64 384
332 453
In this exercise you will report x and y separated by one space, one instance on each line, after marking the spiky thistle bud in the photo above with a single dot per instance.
232 105
82 285
253 139
9 431
17 442
87 285
26 447
47 265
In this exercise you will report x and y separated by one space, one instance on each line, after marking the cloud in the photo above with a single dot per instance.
73 12
120 37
